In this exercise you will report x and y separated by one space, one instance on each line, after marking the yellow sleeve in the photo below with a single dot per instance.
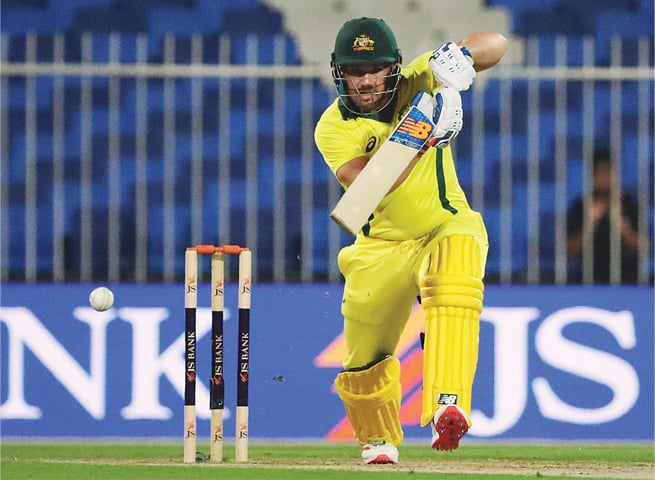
338 140
419 75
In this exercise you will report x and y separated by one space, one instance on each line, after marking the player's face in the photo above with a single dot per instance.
367 85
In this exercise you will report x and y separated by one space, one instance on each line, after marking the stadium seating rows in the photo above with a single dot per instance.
211 19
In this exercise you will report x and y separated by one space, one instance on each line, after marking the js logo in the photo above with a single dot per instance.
191 430
218 434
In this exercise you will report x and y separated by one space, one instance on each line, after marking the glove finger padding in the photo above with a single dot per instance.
448 117
452 66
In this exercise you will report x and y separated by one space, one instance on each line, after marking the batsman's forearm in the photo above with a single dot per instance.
487 48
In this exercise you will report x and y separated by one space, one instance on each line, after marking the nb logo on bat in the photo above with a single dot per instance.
415 128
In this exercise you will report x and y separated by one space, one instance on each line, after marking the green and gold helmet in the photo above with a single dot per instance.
365 41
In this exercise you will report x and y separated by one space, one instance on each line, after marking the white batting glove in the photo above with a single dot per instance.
452 66
448 116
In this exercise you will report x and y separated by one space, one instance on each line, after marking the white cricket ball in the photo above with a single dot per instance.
101 299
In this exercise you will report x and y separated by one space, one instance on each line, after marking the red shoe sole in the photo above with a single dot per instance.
381 459
451 426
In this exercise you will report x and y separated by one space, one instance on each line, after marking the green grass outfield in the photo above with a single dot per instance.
59 460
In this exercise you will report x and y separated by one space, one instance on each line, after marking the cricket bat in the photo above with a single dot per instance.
392 158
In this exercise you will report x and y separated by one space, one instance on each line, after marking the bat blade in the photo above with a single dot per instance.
385 167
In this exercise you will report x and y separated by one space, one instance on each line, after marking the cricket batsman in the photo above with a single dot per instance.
422 239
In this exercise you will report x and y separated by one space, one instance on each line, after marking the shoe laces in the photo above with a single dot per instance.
377 443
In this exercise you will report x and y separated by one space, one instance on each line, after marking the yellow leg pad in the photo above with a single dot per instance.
451 295
372 401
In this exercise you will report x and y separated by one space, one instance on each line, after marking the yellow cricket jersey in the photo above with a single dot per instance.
431 193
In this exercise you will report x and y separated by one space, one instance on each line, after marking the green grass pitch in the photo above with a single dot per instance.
59 460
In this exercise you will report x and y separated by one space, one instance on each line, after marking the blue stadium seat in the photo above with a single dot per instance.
75 4
630 27
464 167
557 20
264 253
492 97
519 163
520 233
27 4
17 18
212 230
292 143
184 43
104 19
100 240
18 45
17 94
517 7
16 188
44 240
265 181
182 119
210 211
547 246
550 52
491 218
16 245
157 224
629 155
259 19
101 147
596 6
574 185
547 194
265 54
156 4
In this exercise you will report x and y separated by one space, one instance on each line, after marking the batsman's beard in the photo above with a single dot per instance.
363 103
349 92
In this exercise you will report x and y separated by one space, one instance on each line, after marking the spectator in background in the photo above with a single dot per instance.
601 225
